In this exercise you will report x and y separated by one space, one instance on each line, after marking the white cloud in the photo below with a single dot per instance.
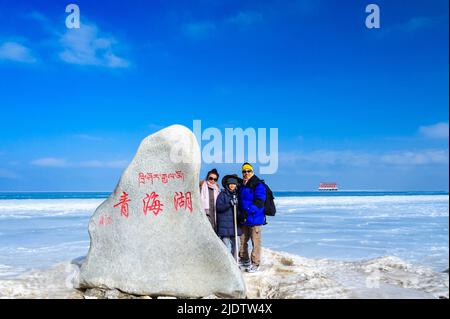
17 52
366 159
416 23
246 18
204 29
88 46
63 163
327 157
103 164
37 16
88 137
50 162
199 29
409 158
411 26
308 6
439 130
8 174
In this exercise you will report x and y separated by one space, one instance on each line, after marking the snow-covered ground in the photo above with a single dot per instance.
350 247
282 276
289 276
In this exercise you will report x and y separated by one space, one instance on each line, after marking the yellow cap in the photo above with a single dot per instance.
247 167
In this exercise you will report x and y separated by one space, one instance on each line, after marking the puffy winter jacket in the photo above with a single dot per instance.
252 197
225 215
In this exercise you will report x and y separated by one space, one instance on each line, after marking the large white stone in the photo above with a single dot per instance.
172 252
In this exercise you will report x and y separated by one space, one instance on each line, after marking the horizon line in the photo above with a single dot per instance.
292 191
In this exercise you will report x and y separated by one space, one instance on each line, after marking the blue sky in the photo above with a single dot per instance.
367 108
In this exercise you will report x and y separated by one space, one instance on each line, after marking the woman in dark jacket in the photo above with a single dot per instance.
226 201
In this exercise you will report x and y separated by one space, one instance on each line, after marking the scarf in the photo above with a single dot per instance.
204 194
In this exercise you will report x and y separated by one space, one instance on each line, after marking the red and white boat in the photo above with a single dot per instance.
328 187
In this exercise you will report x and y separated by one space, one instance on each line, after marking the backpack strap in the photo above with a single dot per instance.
257 202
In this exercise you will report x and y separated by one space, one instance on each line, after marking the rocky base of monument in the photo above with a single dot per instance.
282 275
286 276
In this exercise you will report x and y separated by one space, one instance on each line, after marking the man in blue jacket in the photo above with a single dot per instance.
252 196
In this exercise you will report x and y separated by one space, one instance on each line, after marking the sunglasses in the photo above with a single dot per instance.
246 172
212 179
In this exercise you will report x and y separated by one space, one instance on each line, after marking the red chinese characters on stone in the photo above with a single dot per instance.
152 204
123 203
183 201
105 220
162 177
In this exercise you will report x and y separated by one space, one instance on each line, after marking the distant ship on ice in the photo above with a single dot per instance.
328 187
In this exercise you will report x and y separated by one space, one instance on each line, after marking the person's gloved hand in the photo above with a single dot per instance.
234 201
242 218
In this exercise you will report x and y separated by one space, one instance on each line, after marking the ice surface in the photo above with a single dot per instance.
343 240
